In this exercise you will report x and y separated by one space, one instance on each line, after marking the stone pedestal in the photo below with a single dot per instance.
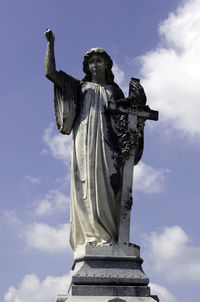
62 298
108 274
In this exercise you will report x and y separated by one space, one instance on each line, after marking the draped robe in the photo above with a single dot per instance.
96 176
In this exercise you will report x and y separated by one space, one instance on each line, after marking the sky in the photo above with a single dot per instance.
156 41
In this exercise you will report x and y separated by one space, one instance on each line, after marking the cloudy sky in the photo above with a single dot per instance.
156 41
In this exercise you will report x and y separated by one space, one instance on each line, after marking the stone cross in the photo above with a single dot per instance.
136 120
132 121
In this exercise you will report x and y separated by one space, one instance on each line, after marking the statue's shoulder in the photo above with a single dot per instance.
117 93
68 80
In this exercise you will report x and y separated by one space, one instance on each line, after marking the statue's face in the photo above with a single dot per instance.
97 66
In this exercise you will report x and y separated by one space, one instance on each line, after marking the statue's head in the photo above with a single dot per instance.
108 63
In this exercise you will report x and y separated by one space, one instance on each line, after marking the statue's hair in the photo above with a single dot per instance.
109 63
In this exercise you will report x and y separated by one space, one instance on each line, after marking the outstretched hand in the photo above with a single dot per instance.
49 35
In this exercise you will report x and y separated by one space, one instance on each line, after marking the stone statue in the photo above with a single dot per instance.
107 131
102 141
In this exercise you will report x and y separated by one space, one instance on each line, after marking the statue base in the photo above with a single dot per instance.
108 274
64 298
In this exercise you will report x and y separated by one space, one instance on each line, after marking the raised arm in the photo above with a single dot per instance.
50 64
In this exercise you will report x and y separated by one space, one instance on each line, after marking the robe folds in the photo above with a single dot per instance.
96 176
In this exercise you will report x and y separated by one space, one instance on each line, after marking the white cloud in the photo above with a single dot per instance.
52 202
171 72
32 289
120 78
43 237
163 294
119 74
11 218
58 145
148 179
171 254
33 180
40 236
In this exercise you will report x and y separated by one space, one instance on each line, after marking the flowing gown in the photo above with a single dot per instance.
96 175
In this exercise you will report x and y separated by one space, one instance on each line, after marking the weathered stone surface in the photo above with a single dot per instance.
116 250
112 290
111 265
107 143
114 272
104 299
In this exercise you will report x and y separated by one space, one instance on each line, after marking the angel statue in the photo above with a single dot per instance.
88 109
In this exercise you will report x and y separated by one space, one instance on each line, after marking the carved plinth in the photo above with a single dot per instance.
62 298
111 274
105 252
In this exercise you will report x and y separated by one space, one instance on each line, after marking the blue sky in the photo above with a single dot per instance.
156 41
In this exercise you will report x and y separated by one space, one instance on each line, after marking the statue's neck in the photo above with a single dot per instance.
99 79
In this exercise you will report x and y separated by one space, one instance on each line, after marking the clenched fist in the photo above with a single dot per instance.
49 35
